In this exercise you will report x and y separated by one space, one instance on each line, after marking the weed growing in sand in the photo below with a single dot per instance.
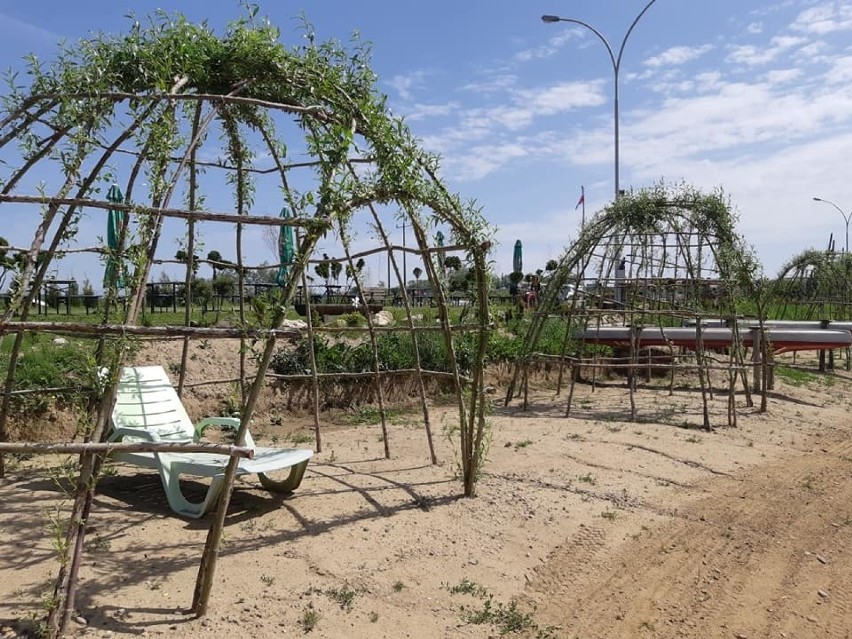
467 587
609 514
520 444
793 376
506 618
372 415
98 544
588 478
693 439
232 402
267 580
398 586
343 596
300 437
309 619
374 617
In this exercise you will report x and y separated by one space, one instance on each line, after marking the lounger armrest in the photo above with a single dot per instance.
128 431
229 423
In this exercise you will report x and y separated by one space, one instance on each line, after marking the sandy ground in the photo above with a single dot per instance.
587 526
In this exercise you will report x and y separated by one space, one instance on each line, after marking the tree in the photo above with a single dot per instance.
183 256
323 269
336 270
202 292
215 258
353 271
90 300
223 286
453 262
551 265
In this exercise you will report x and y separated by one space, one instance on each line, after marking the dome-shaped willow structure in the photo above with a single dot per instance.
174 133
661 257
815 285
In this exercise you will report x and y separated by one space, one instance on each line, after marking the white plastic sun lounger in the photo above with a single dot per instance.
147 408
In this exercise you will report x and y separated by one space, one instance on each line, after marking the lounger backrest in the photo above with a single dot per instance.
146 399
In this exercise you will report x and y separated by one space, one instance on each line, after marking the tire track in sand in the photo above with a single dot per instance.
769 552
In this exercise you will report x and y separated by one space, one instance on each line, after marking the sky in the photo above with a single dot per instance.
751 96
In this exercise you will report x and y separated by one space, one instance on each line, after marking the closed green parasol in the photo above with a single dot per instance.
113 275
286 248
517 258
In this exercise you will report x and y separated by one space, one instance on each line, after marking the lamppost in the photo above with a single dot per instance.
404 263
846 217
616 67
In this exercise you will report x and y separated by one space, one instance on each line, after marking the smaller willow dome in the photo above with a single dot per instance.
815 285
661 257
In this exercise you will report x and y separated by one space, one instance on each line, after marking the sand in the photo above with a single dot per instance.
586 526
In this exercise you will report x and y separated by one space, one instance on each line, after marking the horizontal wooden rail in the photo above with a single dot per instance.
125 447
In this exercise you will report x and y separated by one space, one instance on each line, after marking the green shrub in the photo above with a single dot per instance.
46 364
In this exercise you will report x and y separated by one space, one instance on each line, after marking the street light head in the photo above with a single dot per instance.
550 18
817 199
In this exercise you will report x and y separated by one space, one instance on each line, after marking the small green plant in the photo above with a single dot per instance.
98 544
233 402
267 580
300 437
310 618
374 617
523 444
588 478
343 596
693 439
467 587
793 376
398 586
609 514
506 618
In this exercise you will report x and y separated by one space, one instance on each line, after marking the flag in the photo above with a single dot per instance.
582 200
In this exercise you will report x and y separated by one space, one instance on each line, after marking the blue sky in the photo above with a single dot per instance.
750 95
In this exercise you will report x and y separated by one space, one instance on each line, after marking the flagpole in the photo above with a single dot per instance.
582 226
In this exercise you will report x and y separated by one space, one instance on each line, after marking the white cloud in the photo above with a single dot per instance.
482 160
812 52
783 76
752 55
677 55
827 17
423 111
840 71
755 28
564 96
550 48
405 85
497 83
